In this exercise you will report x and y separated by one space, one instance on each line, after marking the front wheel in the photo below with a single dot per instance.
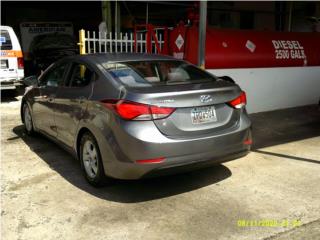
27 119
91 162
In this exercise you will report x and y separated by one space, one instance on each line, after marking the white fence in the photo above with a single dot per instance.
123 42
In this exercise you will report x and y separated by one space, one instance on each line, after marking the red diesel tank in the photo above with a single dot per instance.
247 48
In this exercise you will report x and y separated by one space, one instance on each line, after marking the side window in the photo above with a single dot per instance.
80 75
54 78
5 40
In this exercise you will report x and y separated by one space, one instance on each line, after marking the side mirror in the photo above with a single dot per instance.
31 80
228 79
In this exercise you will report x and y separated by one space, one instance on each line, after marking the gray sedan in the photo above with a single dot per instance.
129 116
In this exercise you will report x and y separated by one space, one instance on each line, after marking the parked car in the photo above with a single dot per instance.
11 59
48 48
130 116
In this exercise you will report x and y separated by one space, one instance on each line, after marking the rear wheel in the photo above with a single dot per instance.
91 162
27 119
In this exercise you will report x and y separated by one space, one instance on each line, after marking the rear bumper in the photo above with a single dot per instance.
186 166
9 84
179 154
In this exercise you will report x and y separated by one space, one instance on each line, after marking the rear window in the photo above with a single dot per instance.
154 73
5 40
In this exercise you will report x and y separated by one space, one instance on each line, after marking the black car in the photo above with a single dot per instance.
48 48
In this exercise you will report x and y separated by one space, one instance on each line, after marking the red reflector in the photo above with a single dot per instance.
160 112
247 142
137 111
20 63
240 101
154 160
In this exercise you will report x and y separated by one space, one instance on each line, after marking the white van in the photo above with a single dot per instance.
11 59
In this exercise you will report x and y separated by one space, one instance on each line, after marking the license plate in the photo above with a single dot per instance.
4 64
203 115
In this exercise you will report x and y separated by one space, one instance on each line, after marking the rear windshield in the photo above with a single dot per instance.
154 73
5 40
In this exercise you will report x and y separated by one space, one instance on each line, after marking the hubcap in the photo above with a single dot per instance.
90 159
27 119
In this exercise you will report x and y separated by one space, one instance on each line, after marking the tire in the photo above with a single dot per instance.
27 119
91 163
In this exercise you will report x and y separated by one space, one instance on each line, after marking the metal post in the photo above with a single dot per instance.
202 34
147 14
149 36
82 46
106 14
135 39
116 17
117 23
290 17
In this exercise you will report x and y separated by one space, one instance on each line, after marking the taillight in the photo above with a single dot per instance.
240 101
20 63
137 111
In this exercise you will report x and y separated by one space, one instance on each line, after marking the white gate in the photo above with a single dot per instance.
92 42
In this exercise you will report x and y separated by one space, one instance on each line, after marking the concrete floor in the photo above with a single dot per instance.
44 195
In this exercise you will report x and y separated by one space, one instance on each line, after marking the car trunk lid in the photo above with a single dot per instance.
200 109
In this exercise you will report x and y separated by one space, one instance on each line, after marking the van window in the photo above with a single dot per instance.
5 40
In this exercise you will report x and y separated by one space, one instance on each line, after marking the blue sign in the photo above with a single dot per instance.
2 40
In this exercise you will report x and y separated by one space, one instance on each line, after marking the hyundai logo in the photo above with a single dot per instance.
206 98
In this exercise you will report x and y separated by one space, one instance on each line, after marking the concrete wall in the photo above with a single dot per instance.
228 14
276 88
302 11
264 13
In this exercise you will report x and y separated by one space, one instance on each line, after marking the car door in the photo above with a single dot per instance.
71 101
44 102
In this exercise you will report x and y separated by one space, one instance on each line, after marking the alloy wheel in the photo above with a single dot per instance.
90 159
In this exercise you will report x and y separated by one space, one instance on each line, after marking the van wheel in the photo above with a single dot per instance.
91 162
27 119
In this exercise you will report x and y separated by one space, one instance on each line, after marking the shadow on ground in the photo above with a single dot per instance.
287 156
283 126
11 95
270 128
8 96
120 191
